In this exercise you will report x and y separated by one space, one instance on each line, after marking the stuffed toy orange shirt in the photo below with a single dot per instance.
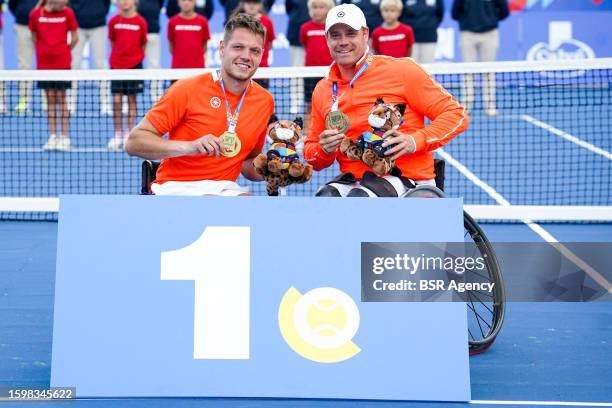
396 81
194 107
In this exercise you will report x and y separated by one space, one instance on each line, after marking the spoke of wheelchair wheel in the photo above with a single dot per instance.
473 309
471 335
482 293
477 274
481 302
478 317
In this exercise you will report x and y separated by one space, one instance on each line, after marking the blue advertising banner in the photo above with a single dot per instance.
248 297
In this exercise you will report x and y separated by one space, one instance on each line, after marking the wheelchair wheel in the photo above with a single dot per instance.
485 312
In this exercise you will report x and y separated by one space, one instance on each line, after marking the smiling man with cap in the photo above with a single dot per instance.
342 100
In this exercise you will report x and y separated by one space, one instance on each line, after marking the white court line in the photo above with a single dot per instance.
545 403
476 402
590 147
545 235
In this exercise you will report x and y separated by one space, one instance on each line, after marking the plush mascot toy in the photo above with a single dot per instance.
368 147
280 165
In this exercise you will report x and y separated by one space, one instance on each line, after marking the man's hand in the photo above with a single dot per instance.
330 139
209 145
404 144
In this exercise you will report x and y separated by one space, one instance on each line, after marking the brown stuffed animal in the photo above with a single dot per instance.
280 165
368 147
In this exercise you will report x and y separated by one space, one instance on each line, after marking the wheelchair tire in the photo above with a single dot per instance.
487 316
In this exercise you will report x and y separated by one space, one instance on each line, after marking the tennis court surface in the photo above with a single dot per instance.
539 170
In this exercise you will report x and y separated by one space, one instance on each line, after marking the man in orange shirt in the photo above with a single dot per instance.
216 121
354 82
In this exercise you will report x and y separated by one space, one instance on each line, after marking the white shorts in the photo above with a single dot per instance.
199 188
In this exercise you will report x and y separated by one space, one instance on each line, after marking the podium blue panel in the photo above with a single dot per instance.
120 330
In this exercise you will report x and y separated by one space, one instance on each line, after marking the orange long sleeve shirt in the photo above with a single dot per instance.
396 81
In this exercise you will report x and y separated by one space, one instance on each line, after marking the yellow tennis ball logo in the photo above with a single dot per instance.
319 325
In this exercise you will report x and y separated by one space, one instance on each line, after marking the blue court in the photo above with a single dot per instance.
545 352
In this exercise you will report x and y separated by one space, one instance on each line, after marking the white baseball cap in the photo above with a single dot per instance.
348 14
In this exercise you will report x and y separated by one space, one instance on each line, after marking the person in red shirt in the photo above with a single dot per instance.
392 38
312 37
127 32
50 23
187 37
255 8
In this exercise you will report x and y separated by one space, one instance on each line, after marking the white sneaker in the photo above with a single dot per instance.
63 144
116 143
491 112
51 143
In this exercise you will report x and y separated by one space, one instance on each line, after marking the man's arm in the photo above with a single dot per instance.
248 170
209 9
321 145
12 5
172 8
430 99
502 9
440 10
457 10
74 39
145 141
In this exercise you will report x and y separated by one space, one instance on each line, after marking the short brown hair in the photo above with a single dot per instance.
242 20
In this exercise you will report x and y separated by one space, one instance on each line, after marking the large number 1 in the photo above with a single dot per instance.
219 263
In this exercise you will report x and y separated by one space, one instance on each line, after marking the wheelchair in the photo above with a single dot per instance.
485 313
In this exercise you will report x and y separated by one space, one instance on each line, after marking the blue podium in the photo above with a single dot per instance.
248 297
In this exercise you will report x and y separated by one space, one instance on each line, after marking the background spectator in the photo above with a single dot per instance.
51 23
479 41
370 9
127 32
91 18
424 17
297 12
254 8
150 10
188 34
25 47
232 5
202 7
312 37
392 38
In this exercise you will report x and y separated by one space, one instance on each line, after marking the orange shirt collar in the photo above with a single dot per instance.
216 78
334 71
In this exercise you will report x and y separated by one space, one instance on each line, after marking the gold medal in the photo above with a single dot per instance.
231 144
337 120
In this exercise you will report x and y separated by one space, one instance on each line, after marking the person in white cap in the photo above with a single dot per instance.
343 99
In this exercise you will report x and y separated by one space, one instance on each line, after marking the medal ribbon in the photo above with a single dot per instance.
232 119
335 97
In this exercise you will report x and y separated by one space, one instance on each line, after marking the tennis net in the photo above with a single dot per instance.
540 135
